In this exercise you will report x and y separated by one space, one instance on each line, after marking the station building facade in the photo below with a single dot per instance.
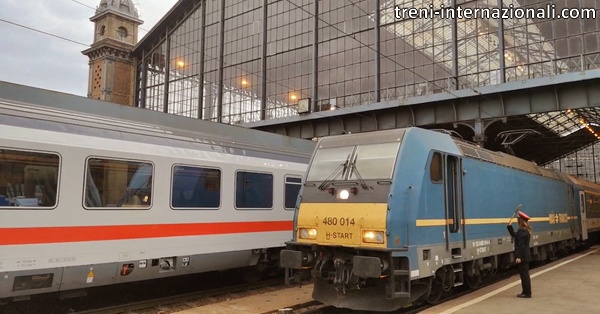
236 61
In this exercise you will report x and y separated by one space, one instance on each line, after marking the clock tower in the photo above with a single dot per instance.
112 70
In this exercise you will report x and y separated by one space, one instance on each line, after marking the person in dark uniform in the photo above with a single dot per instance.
522 252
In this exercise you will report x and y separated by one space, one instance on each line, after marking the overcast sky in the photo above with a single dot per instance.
31 58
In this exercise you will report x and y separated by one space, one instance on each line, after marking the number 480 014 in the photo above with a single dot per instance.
334 221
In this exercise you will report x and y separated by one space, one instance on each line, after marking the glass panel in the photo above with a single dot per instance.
118 183
375 161
327 161
28 179
155 78
195 187
436 168
289 56
418 56
292 189
253 190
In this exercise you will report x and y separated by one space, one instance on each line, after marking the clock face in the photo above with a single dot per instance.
303 105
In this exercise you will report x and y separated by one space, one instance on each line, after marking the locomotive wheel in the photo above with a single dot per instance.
473 281
435 293
447 276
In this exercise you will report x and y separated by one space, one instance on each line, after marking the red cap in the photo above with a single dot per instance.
523 215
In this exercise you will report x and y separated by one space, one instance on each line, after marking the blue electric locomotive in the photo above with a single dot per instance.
390 217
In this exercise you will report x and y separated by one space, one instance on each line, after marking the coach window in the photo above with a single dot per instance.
292 189
253 190
196 187
28 179
123 184
435 169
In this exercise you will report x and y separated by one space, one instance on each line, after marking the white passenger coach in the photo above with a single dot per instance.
93 193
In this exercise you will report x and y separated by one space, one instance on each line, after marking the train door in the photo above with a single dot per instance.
453 201
572 211
582 211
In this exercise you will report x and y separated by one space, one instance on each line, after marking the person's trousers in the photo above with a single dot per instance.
523 269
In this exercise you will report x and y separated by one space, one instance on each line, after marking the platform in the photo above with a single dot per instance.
570 285
566 286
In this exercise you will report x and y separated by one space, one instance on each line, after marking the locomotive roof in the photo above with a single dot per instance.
71 110
385 136
501 158
586 185
468 149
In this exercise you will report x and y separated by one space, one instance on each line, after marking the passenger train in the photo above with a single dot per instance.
88 200
390 218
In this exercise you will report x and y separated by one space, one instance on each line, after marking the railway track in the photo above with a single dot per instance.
317 308
189 300
155 296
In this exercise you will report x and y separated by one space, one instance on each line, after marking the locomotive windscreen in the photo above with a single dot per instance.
369 161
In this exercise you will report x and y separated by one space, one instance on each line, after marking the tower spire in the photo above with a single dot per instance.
112 70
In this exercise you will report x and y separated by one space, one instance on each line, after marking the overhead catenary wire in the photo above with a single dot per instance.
43 32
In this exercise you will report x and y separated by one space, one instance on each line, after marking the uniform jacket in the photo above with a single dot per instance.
521 243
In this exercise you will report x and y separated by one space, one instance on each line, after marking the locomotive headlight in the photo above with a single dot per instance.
343 194
371 236
306 233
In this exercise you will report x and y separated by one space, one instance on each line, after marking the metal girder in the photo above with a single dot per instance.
567 91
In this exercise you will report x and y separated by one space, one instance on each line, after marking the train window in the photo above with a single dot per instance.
253 190
118 183
196 187
292 189
28 179
435 169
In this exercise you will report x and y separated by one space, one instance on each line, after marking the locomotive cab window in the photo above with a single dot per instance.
253 190
28 179
118 183
435 169
196 187
292 189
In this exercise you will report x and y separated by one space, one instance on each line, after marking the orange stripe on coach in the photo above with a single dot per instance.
44 235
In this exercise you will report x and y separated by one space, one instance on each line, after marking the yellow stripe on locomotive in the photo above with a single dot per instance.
343 224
